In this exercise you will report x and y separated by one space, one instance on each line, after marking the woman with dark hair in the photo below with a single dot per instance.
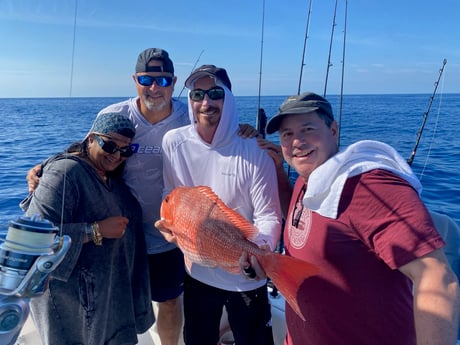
99 294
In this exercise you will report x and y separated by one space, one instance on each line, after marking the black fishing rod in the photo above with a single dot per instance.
304 47
307 29
261 118
330 49
425 115
193 68
343 70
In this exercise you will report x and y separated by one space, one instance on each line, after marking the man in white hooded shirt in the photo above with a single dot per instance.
209 152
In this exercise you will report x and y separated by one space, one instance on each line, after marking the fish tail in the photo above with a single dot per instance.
287 274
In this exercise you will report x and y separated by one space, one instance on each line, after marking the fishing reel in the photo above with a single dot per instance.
29 251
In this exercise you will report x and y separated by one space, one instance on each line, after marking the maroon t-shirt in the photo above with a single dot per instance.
359 296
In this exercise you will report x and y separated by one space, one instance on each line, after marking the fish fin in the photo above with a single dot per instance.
245 226
287 274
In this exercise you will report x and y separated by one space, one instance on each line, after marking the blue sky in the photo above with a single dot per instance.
392 46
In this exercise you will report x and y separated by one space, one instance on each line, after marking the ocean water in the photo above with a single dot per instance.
33 129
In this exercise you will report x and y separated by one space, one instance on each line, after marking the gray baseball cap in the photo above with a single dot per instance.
304 103
209 70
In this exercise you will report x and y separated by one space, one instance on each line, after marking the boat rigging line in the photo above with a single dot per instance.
193 68
73 47
261 118
72 64
343 71
307 28
425 116
329 64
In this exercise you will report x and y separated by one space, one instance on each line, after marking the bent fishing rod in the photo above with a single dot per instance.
410 160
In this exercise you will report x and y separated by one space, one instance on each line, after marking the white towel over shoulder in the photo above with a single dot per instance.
326 182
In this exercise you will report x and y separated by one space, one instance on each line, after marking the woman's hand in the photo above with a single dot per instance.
33 177
113 227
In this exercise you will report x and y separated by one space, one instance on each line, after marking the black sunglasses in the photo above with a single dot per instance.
214 93
111 147
147 80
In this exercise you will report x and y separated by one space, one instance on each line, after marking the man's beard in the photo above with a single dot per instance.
154 106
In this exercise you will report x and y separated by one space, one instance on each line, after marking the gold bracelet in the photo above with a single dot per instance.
97 236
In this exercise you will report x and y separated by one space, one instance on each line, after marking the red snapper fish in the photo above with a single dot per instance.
211 234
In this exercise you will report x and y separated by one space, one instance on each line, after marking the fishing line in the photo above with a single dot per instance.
425 115
70 96
343 72
193 68
261 112
435 128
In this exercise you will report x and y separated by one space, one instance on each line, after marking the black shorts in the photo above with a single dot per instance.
167 272
249 314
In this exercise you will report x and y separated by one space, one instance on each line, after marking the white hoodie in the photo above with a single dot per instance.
237 170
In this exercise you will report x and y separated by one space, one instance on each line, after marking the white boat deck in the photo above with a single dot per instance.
29 334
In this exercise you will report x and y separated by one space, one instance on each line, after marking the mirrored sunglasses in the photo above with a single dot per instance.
214 93
148 80
111 147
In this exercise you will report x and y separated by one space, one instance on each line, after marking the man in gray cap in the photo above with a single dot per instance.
357 214
209 152
154 112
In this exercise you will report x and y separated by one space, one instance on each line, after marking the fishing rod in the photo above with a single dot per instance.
261 118
307 29
193 68
343 71
304 47
425 115
330 49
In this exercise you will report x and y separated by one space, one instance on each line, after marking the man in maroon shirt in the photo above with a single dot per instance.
358 216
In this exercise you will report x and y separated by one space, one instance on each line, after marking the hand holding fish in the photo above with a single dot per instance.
250 267
167 234
211 234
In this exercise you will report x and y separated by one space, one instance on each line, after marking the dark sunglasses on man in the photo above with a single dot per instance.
111 147
148 80
214 93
